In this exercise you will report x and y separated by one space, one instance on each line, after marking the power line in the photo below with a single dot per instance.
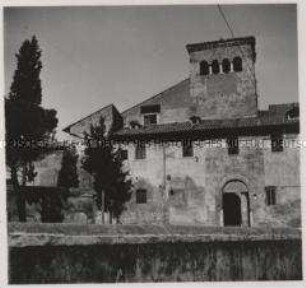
225 20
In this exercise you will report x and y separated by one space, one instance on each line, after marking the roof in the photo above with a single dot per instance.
275 116
222 42
67 129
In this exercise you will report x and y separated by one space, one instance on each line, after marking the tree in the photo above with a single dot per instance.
28 125
104 162
68 175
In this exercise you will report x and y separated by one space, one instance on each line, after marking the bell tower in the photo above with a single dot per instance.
222 78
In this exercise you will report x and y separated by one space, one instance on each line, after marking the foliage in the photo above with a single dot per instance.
28 125
68 175
105 164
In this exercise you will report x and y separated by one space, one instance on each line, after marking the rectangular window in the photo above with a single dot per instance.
277 142
123 154
187 148
270 195
150 109
140 150
141 196
150 119
232 145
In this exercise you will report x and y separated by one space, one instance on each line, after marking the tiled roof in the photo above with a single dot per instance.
275 116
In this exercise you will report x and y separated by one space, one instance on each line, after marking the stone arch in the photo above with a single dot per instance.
226 66
237 64
235 202
204 68
215 67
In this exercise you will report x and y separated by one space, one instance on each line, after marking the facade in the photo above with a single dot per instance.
201 152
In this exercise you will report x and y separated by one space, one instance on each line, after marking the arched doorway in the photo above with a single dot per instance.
231 210
235 204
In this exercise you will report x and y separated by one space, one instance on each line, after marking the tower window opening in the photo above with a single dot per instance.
237 63
215 67
226 66
204 68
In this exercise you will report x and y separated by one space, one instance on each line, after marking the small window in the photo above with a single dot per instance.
187 148
204 68
293 114
270 195
150 119
226 66
232 145
123 154
141 196
277 142
237 63
215 67
140 150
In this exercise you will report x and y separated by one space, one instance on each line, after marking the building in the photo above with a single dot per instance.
202 152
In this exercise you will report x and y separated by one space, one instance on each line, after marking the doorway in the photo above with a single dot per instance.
236 204
231 210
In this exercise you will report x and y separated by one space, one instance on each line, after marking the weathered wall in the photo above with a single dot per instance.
224 95
174 103
109 113
197 183
214 261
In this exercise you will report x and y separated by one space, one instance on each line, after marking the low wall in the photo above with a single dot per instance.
151 254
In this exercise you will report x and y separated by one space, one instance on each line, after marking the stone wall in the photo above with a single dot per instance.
111 118
174 105
220 96
157 262
190 189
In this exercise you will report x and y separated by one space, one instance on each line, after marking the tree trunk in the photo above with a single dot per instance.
110 217
24 174
20 199
103 205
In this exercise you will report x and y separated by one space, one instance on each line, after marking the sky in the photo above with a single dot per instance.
95 56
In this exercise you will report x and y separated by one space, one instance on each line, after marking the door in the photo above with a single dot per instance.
231 209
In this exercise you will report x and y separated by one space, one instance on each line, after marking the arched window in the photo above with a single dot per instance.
215 67
226 66
237 63
204 68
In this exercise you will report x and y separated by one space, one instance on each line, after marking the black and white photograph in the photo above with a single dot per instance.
152 143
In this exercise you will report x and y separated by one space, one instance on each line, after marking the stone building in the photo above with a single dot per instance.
202 151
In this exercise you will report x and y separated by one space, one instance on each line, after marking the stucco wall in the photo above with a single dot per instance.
197 183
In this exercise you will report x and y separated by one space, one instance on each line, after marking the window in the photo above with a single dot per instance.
215 67
277 142
204 68
270 195
141 196
140 150
232 145
237 63
187 148
226 66
293 114
150 119
123 154
150 109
